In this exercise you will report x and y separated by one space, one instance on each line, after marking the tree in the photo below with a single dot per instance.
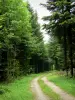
38 56
55 54
60 25
21 41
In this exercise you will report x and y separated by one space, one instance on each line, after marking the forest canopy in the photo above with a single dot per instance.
61 28
22 48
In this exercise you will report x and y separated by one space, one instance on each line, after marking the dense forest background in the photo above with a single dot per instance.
22 49
61 27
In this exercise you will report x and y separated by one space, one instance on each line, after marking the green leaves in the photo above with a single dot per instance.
61 23
21 40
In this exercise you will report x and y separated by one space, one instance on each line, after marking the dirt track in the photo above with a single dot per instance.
39 95
63 95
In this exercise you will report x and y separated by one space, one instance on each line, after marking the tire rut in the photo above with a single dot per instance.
63 94
39 95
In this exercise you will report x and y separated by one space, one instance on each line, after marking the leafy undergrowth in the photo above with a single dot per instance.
64 82
18 90
48 91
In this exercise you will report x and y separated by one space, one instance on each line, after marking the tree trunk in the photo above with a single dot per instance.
65 50
70 49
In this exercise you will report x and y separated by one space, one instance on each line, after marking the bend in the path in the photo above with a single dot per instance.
63 94
39 95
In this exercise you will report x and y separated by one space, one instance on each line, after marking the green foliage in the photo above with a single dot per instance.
16 27
21 41
56 54
60 25
38 56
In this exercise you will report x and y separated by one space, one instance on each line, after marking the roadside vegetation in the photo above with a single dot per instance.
64 82
18 90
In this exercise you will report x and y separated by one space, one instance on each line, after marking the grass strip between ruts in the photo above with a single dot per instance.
48 91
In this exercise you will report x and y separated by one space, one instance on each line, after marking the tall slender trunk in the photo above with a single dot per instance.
70 49
65 50
70 43
56 64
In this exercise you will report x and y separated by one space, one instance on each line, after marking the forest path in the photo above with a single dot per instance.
39 95
63 94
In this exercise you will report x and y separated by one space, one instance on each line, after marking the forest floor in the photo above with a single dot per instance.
39 94
43 86
18 89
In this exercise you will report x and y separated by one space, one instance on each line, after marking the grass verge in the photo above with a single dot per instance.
65 83
48 91
18 90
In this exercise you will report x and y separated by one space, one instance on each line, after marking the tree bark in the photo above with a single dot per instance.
65 50
70 49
